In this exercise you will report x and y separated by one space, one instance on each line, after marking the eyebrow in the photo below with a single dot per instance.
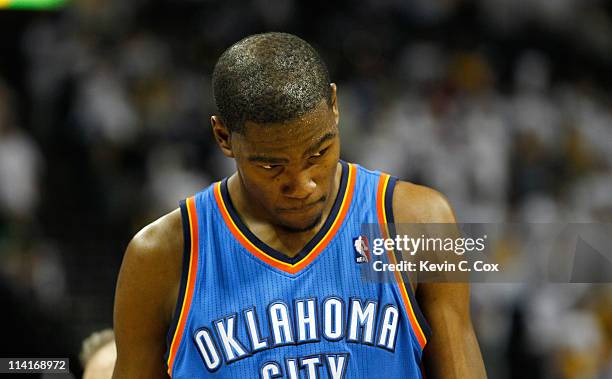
266 159
326 137
274 160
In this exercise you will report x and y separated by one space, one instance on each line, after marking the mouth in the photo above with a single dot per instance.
304 208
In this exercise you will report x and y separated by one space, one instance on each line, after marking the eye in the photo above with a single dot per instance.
320 153
269 166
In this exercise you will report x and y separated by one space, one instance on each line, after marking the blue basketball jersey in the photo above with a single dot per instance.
246 310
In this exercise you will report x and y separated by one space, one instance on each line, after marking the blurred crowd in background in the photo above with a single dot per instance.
505 106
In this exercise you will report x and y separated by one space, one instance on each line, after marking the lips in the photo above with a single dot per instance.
303 208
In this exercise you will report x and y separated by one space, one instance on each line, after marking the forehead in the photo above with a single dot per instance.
296 135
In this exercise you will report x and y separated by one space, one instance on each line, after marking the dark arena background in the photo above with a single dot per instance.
505 106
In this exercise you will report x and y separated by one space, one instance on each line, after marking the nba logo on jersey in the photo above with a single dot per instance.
362 249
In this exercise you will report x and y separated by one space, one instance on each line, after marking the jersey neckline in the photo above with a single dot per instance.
312 249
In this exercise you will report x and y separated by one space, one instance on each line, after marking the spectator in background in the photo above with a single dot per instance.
98 355
20 164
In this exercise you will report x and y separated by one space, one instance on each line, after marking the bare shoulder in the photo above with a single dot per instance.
156 252
161 234
413 203
417 204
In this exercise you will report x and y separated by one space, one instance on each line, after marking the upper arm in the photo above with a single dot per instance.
147 289
452 350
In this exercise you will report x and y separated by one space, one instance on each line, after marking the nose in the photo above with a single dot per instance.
299 185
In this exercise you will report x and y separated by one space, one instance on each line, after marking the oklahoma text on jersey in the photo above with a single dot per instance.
359 321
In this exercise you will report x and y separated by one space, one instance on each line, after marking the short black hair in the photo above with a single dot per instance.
270 77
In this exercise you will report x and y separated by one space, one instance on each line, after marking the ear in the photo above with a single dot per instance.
334 101
222 135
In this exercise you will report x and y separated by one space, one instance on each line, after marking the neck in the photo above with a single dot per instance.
260 223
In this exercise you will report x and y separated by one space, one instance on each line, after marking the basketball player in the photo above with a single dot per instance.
257 276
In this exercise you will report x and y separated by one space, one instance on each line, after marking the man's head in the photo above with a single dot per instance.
278 118
267 78
98 355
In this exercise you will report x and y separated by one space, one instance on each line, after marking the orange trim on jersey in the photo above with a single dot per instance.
289 268
191 280
382 220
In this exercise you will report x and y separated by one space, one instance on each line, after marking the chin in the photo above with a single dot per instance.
298 227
